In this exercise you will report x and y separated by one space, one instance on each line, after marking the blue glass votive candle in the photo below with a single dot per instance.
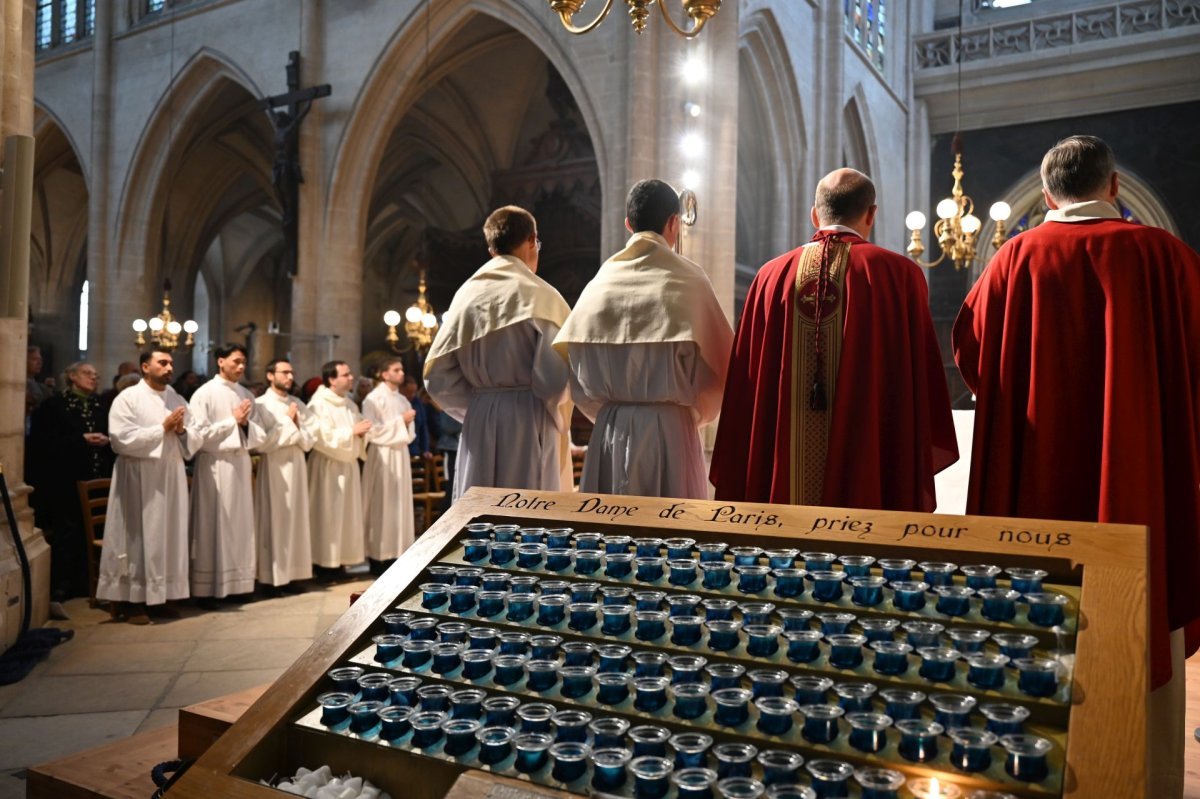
555 587
651 624
649 740
612 657
650 693
434 595
1046 610
1004 719
616 619
686 630
459 735
345 678
1026 581
559 559
854 697
775 714
588 542
426 728
453 632
740 788
718 574
648 600
835 623
691 699
711 552
578 653
830 778
335 707
789 582
856 565
724 675
541 675
691 749
901 703
781 558
820 722
495 744
531 751
719 609
683 571
923 633
616 595
938 573
694 783
416 653
442 574
551 610
482 638
514 643
868 731
779 766
502 552
767 682
756 612
434 697
535 716
612 688
908 596
879 783
616 544
529 556
608 732
649 664
559 537
1037 676
811 690
388 647
500 711
477 663
397 622
468 575
608 767
649 570
505 532
952 711
447 657
682 605
846 650
509 669
523 584
475 549
968 641
494 581
520 607
981 576
752 579
678 548
577 681
918 739
393 722
896 569
618 565
999 604
985 670
647 547
588 561
732 706
723 635
1026 756
490 603
891 657
423 629
462 598
826 585
762 639
479 529
651 776
734 759
403 690
570 760
938 663
953 600
794 618
972 750
804 646
879 629
686 668
868 591
571 725
532 535
1015 645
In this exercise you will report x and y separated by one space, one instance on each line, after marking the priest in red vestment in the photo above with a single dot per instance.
836 393
1081 341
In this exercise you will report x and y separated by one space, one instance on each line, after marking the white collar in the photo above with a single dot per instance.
1083 212
840 229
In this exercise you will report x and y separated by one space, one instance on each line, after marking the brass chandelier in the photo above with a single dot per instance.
420 323
699 11
165 328
957 227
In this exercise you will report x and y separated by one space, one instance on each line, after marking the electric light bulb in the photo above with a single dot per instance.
1000 211
391 318
156 324
971 223
693 71
915 221
429 320
691 109
413 314
139 325
174 327
692 145
947 208
691 178
190 326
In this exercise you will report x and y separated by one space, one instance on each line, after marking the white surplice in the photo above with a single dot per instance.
334 483
647 401
284 544
387 478
145 552
222 517
508 389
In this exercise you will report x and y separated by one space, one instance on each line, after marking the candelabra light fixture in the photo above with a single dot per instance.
165 328
420 323
957 226
699 11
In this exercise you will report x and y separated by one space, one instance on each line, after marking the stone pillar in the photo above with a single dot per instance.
106 345
16 118
830 89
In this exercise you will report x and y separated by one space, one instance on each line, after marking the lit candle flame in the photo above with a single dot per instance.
935 788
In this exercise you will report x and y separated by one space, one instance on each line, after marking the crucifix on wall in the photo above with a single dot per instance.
286 112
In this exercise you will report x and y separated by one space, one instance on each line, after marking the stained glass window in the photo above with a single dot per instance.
866 25
155 5
44 24
58 22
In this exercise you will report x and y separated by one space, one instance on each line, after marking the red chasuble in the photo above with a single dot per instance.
885 428
1081 342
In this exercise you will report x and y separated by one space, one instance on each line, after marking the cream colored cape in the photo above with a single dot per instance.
645 294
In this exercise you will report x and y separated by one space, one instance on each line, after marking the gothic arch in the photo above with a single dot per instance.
862 151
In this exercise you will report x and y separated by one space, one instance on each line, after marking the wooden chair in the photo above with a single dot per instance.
577 467
428 477
93 501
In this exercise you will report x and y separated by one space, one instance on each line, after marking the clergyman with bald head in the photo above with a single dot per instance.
836 393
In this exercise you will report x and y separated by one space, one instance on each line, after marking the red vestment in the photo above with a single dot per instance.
890 428
1081 341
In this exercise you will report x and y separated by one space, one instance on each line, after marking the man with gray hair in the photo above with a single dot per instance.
1070 340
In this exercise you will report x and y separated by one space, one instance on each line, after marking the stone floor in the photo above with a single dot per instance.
114 679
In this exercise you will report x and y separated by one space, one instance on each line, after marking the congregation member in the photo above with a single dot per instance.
126 370
421 445
1081 341
836 393
492 366
648 347
281 514
37 390
387 479
144 558
334 482
222 515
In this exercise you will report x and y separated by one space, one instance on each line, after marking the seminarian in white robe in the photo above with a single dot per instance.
387 478
493 367
222 517
281 523
145 553
648 346
334 483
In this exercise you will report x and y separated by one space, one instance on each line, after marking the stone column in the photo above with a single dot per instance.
16 118
830 89
106 345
